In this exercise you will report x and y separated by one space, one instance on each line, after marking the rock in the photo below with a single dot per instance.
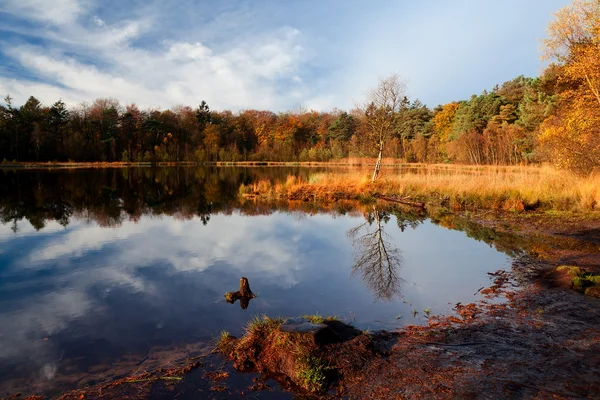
301 325
322 333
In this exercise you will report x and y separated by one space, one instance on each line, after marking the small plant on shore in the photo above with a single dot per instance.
312 373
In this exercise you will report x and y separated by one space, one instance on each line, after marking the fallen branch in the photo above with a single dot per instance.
403 201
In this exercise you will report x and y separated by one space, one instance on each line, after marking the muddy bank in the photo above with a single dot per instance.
542 343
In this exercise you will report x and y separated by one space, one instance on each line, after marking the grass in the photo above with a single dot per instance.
224 341
262 325
514 188
311 373
319 319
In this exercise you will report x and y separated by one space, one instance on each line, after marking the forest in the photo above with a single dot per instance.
551 118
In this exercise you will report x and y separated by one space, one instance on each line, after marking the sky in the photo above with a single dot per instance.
264 54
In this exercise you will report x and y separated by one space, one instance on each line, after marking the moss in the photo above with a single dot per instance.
312 373
570 270
229 297
581 280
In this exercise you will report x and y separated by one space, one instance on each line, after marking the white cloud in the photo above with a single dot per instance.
93 58
57 12
191 247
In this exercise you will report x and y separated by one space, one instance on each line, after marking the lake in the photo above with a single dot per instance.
105 270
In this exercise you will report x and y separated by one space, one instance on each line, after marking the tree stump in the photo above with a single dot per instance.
244 295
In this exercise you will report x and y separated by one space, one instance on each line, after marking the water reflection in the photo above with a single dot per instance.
100 268
111 196
376 259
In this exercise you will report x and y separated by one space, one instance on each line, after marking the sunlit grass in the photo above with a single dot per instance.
319 319
495 187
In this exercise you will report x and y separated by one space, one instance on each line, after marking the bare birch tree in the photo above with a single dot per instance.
381 113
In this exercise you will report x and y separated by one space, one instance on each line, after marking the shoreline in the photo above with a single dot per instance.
456 190
346 162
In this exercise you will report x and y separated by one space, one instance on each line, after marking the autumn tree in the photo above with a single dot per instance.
381 113
572 134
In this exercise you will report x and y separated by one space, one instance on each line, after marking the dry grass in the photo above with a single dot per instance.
508 188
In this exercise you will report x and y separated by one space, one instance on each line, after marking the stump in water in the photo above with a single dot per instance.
244 295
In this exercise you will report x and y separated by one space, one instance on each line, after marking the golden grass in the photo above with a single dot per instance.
510 188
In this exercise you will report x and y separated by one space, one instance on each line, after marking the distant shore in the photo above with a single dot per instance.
120 164
344 162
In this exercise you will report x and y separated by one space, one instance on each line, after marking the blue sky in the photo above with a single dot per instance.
277 55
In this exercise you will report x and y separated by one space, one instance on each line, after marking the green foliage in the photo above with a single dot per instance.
414 120
343 127
474 115
312 373
319 319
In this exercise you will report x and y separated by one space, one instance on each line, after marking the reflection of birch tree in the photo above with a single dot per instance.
375 257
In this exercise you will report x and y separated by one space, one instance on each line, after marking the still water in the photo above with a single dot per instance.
101 270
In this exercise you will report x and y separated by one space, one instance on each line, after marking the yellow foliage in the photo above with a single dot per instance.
444 120
572 136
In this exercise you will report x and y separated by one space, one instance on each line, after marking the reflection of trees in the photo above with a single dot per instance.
375 257
112 195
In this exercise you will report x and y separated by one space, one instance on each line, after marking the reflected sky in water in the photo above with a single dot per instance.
89 294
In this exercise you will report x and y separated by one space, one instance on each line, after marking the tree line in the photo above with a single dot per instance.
554 117
496 127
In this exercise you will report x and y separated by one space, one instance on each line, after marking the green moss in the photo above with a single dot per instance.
570 270
312 373
582 280
594 279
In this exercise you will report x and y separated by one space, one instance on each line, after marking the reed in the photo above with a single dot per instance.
495 187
